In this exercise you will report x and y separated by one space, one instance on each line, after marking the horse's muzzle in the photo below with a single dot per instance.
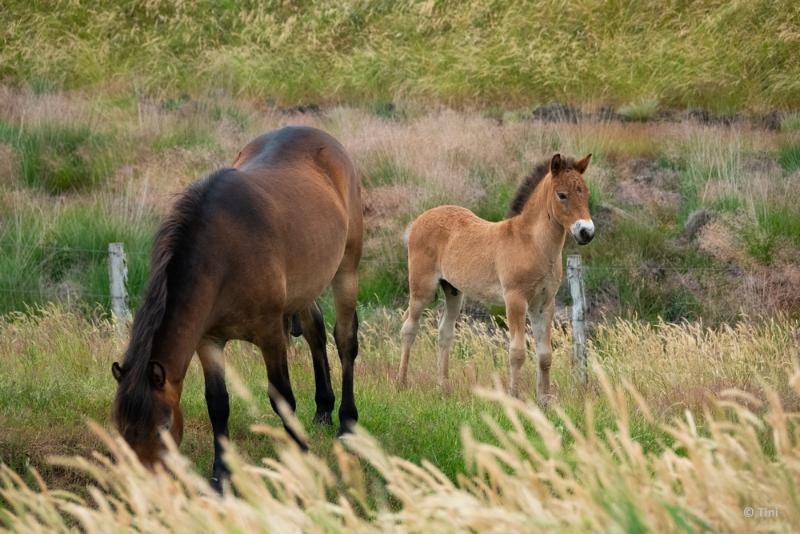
583 231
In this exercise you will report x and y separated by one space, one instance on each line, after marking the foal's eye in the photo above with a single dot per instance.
562 196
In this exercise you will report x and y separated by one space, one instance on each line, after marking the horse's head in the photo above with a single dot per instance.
570 200
146 404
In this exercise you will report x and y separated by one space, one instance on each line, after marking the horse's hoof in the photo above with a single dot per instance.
344 430
216 484
323 418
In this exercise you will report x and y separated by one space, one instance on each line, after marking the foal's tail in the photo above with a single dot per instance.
407 233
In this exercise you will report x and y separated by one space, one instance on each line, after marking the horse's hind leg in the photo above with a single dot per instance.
313 329
273 349
345 333
516 308
211 358
453 298
421 288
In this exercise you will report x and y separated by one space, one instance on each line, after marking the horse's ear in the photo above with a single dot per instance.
158 376
581 165
555 164
116 370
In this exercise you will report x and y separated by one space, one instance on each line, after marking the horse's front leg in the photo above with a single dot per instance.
542 325
516 308
211 358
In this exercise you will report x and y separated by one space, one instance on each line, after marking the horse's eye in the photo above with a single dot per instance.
562 196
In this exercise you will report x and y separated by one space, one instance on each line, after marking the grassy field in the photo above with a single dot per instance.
664 413
718 54
690 109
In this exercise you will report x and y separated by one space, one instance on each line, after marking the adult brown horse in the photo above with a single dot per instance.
516 261
241 251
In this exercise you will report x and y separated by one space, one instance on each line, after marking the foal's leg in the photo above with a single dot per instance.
422 289
516 308
273 349
542 324
345 334
453 299
313 329
211 358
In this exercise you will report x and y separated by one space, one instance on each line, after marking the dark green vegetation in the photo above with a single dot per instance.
57 158
716 54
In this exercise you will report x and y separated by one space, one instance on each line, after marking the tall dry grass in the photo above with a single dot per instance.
723 479
683 428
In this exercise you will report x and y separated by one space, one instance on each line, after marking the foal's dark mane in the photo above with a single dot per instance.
134 403
529 183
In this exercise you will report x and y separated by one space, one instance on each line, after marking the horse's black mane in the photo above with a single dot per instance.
529 183
134 403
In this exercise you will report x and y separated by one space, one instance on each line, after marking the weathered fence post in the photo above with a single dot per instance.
575 278
118 278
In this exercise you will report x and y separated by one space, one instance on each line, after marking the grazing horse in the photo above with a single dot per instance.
241 252
516 261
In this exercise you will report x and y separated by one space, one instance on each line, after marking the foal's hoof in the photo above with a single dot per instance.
547 401
323 418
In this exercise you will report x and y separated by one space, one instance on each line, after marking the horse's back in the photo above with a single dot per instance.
276 227
438 225
295 145
289 156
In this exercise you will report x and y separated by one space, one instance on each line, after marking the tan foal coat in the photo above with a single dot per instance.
516 262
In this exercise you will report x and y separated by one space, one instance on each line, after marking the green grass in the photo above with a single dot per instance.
640 110
773 227
510 53
190 136
789 157
634 261
386 171
63 256
499 191
59 159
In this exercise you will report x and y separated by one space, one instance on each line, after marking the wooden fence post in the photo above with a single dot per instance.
575 278
118 278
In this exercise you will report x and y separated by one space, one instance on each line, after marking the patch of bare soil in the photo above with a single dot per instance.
644 182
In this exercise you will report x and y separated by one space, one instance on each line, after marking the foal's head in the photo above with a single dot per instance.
146 404
570 199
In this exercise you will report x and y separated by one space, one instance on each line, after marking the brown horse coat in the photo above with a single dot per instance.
241 251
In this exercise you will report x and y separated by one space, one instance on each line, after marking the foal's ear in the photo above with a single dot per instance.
158 376
556 164
116 370
581 165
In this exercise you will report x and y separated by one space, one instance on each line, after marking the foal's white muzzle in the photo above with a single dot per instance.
582 230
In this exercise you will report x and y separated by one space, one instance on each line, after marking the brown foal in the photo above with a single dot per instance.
516 262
